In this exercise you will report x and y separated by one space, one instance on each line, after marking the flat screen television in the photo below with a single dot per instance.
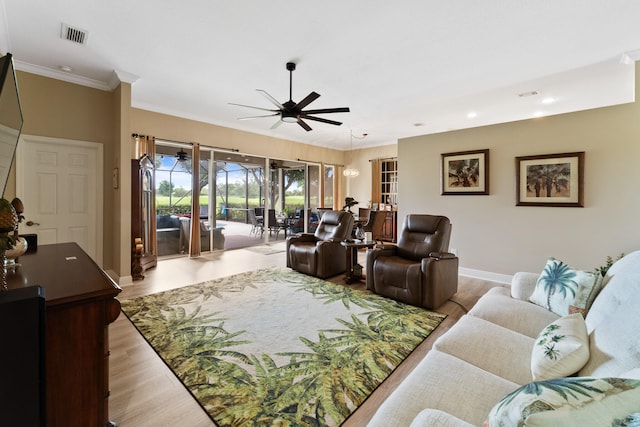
11 119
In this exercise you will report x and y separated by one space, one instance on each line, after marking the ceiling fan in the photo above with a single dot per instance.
292 112
182 155
275 164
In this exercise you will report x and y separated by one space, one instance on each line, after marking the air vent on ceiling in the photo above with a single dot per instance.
74 34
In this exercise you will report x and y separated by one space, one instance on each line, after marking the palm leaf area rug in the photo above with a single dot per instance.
276 347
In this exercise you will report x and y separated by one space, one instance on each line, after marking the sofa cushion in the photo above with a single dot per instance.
523 317
562 348
614 346
490 347
621 283
574 402
523 284
167 221
564 290
444 382
634 373
612 321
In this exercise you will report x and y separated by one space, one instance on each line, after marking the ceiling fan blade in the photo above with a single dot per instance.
255 108
308 100
328 110
258 117
304 125
276 124
320 119
271 99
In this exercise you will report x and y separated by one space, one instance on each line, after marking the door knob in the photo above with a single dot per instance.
31 223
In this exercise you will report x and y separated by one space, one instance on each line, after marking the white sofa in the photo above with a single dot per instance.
487 354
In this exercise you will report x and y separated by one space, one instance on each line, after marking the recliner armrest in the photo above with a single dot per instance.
302 237
372 255
385 250
442 255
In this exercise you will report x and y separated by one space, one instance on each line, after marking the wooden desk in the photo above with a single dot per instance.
80 304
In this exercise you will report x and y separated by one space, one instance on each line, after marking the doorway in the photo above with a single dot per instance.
243 200
61 185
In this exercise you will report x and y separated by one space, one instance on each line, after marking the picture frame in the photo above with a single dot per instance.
550 180
465 173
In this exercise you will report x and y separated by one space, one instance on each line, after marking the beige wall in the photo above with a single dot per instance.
360 187
57 109
175 128
121 210
53 108
491 233
168 127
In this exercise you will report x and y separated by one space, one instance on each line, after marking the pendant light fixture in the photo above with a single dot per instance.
352 172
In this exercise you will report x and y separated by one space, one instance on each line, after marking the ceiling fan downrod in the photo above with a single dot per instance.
291 66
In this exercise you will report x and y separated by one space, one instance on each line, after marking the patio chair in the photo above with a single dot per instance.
275 226
256 224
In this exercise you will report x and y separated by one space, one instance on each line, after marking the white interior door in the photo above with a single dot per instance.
60 184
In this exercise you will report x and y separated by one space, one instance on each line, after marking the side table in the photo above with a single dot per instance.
354 272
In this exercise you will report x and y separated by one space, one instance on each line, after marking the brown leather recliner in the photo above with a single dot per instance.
419 270
320 254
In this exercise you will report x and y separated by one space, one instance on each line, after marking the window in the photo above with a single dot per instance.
389 182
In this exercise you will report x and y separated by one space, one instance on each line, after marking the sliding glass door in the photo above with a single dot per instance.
242 200
173 171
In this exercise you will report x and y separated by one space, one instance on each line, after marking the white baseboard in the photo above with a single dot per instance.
485 275
121 281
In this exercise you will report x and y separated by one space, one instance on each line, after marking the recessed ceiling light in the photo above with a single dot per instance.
66 68
548 100
472 115
418 124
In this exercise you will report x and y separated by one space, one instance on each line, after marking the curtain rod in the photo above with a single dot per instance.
384 158
317 163
233 150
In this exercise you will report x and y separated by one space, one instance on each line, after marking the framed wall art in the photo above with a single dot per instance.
465 172
550 180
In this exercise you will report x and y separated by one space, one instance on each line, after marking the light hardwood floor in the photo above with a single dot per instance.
144 391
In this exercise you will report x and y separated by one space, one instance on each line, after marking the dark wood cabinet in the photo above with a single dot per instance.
390 227
80 304
22 382
384 226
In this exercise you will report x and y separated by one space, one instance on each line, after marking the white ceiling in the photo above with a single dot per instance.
405 68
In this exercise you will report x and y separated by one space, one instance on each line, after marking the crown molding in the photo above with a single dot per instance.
117 76
61 75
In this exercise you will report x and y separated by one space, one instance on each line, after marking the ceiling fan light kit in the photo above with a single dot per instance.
292 112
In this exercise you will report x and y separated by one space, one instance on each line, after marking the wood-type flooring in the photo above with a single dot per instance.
144 391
